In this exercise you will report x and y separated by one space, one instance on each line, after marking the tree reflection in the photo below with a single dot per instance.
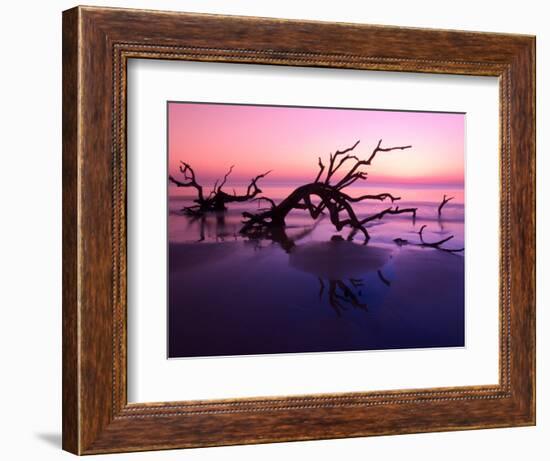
343 294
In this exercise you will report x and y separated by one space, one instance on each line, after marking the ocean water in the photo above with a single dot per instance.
232 295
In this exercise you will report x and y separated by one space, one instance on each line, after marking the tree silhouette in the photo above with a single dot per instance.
443 203
217 199
423 243
328 192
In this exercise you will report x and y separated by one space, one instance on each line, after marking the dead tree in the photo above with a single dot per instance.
423 243
437 244
443 203
217 199
328 192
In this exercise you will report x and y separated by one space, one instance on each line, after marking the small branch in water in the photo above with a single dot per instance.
423 243
437 244
443 203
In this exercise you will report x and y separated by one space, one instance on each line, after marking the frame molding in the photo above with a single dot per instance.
97 43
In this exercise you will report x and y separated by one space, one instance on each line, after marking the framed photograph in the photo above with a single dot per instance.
279 230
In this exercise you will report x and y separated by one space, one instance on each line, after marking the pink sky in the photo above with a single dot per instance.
289 140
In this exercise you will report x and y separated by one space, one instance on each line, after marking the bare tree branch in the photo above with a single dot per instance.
380 197
443 203
333 169
353 174
321 169
423 243
384 149
217 199
390 210
189 176
224 180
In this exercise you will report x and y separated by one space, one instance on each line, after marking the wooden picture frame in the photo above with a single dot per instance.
97 43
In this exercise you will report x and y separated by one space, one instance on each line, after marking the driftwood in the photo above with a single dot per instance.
423 243
443 203
328 192
437 244
217 199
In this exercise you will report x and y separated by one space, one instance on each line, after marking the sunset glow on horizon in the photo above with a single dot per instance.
289 141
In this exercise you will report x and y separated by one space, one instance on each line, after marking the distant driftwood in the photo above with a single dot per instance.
217 199
443 203
423 243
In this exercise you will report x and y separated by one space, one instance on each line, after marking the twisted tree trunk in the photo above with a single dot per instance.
330 195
